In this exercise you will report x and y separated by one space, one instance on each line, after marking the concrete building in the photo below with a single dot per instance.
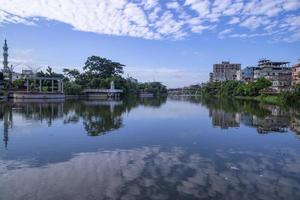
248 73
239 76
296 74
225 71
279 73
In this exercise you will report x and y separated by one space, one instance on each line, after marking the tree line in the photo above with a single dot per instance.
98 72
250 90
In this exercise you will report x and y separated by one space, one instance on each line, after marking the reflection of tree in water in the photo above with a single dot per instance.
98 117
102 117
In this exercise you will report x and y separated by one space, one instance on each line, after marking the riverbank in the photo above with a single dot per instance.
262 98
280 99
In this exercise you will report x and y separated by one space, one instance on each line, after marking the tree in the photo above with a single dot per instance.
262 83
71 74
97 67
72 88
49 72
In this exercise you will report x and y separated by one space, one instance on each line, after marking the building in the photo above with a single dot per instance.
248 73
8 72
225 71
296 74
27 73
239 76
279 73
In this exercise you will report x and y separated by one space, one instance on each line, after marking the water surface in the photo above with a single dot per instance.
149 149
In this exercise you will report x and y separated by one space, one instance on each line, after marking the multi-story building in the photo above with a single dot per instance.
296 74
225 71
279 73
248 73
239 76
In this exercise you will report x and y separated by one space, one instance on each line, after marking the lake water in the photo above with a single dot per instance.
175 148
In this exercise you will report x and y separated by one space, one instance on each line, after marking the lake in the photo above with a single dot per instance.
175 148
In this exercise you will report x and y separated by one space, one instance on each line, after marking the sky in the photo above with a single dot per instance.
172 41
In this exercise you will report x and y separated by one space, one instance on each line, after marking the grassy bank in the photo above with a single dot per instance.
270 99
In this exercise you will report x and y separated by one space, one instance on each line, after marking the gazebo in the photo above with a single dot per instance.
58 94
59 81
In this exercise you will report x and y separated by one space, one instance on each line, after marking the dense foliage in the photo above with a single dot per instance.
234 88
98 73
250 90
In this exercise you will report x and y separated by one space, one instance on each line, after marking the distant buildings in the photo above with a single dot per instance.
225 71
296 74
279 73
7 72
248 73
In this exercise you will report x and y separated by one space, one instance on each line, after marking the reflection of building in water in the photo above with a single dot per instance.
40 111
277 121
35 111
295 124
224 119
247 119
7 118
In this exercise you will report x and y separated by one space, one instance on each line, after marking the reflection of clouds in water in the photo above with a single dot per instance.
151 172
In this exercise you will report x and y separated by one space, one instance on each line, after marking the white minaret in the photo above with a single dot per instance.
5 57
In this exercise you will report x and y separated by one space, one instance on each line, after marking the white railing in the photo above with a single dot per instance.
102 91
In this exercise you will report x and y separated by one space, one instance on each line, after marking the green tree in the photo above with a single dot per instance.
97 67
262 83
70 87
71 74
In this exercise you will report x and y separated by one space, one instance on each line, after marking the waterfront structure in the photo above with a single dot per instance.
31 89
279 73
103 93
225 71
296 74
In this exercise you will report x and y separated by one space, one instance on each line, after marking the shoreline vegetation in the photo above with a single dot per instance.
254 91
97 73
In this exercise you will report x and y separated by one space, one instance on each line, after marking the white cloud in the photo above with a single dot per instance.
225 32
254 22
154 19
234 20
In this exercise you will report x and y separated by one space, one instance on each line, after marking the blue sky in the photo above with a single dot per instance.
175 42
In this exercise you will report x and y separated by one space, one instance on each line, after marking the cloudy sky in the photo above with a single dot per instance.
174 41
